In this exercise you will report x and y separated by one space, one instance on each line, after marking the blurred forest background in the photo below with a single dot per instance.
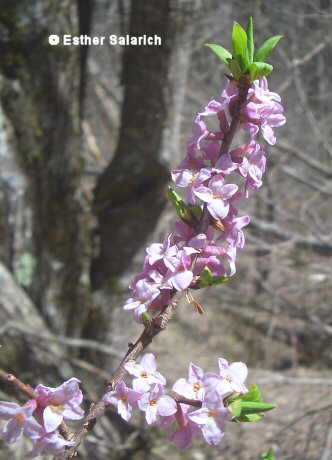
87 135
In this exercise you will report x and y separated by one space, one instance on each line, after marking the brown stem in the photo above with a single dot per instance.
18 384
156 325
236 116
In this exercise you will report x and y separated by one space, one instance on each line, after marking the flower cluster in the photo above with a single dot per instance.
204 390
213 233
40 418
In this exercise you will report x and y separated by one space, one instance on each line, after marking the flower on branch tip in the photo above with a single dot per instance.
55 404
230 380
20 420
263 111
145 372
156 404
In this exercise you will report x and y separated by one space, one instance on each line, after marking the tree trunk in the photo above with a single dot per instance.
130 194
39 92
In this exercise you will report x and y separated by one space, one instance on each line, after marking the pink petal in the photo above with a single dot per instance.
124 410
181 387
212 433
52 418
240 371
182 437
8 409
73 412
218 208
268 134
141 385
131 304
151 414
228 191
223 365
166 406
157 377
144 402
148 361
204 193
181 280
12 431
133 368
195 373
200 416
32 429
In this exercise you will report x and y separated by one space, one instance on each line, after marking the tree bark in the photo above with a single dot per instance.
130 194
39 92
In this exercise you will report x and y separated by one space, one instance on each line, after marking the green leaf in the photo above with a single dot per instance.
254 407
249 418
219 280
146 317
223 54
253 394
195 211
259 69
268 455
205 278
178 203
265 50
239 46
250 38
235 407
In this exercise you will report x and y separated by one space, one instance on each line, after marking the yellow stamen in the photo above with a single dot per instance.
57 409
19 418
196 387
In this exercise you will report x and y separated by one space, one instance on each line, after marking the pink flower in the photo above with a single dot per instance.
145 372
253 167
48 444
263 111
216 195
165 252
233 233
20 420
156 403
230 379
123 398
190 180
58 403
181 277
186 428
144 294
193 387
211 418
225 164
